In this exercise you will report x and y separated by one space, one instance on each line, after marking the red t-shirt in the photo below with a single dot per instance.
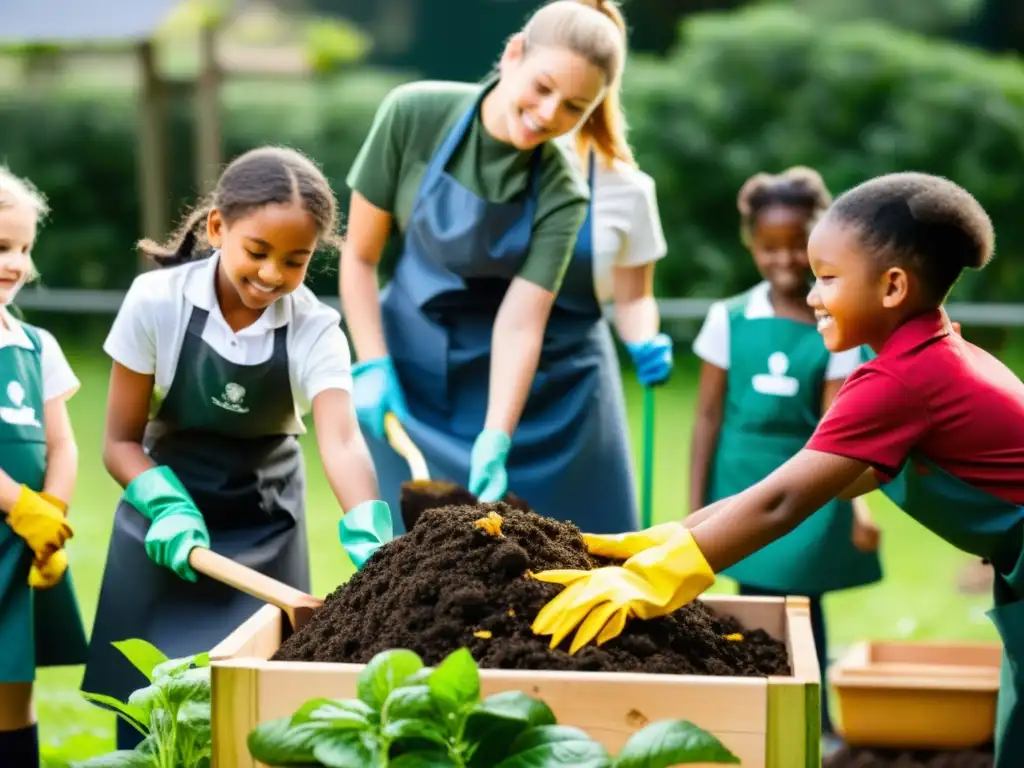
931 391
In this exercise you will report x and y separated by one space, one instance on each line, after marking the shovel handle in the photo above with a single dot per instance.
405 447
252 582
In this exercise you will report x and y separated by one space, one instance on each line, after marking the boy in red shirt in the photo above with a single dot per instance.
935 422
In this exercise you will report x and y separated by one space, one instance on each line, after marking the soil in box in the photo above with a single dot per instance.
894 758
453 581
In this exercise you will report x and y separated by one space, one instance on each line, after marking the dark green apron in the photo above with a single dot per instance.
38 628
982 525
772 405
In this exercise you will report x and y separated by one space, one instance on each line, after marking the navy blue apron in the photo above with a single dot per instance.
570 456
985 526
228 432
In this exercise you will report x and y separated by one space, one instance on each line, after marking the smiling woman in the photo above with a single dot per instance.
489 210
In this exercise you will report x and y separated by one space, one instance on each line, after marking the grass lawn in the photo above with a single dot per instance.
918 598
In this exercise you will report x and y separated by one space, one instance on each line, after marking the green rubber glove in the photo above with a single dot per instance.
488 478
176 525
364 530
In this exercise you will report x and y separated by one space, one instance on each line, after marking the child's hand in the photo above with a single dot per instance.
866 534
47 573
40 523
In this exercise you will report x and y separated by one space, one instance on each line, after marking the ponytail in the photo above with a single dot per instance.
181 247
605 130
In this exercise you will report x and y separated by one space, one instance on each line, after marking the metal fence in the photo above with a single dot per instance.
79 301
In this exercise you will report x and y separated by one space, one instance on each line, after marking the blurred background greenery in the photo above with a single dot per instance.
716 90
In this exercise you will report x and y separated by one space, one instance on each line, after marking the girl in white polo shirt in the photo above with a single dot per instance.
215 361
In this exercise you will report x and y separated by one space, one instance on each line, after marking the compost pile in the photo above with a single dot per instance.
848 757
454 581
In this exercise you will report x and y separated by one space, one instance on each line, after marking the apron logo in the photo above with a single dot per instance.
776 382
20 414
232 398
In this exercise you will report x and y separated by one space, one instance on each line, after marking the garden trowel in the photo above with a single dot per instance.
421 493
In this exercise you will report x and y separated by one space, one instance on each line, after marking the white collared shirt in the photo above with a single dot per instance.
147 333
626 227
712 343
58 378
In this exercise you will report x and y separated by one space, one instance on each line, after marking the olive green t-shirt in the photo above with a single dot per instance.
410 125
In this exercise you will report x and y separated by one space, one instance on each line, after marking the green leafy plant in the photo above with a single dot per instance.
407 715
172 712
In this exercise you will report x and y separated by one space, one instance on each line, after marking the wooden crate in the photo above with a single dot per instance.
768 722
917 695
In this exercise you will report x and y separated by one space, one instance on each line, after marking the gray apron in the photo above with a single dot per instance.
570 456
228 432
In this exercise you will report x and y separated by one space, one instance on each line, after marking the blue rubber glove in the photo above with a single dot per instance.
488 479
364 530
652 359
375 392
176 525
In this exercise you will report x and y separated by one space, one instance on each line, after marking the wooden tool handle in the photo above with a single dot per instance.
247 580
405 447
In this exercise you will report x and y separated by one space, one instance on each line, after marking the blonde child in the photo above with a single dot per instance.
40 624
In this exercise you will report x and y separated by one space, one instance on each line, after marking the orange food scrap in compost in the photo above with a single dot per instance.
512 612
483 634
491 525
736 637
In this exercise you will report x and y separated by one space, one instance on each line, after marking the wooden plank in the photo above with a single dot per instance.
258 637
767 613
610 706
235 712
939 653
793 728
803 655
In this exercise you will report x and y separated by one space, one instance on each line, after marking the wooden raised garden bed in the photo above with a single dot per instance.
769 722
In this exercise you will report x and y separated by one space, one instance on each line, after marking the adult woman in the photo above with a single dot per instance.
489 210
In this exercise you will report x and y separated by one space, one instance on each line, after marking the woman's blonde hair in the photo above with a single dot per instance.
596 30
15 192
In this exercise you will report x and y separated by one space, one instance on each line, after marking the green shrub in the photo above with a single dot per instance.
760 89
767 88
79 147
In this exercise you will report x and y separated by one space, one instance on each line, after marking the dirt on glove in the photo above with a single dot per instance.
454 581
848 757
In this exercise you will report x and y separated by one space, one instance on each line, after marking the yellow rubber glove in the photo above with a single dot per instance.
654 582
47 573
39 522
622 546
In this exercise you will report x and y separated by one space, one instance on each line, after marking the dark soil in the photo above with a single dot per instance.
448 584
847 757
417 496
